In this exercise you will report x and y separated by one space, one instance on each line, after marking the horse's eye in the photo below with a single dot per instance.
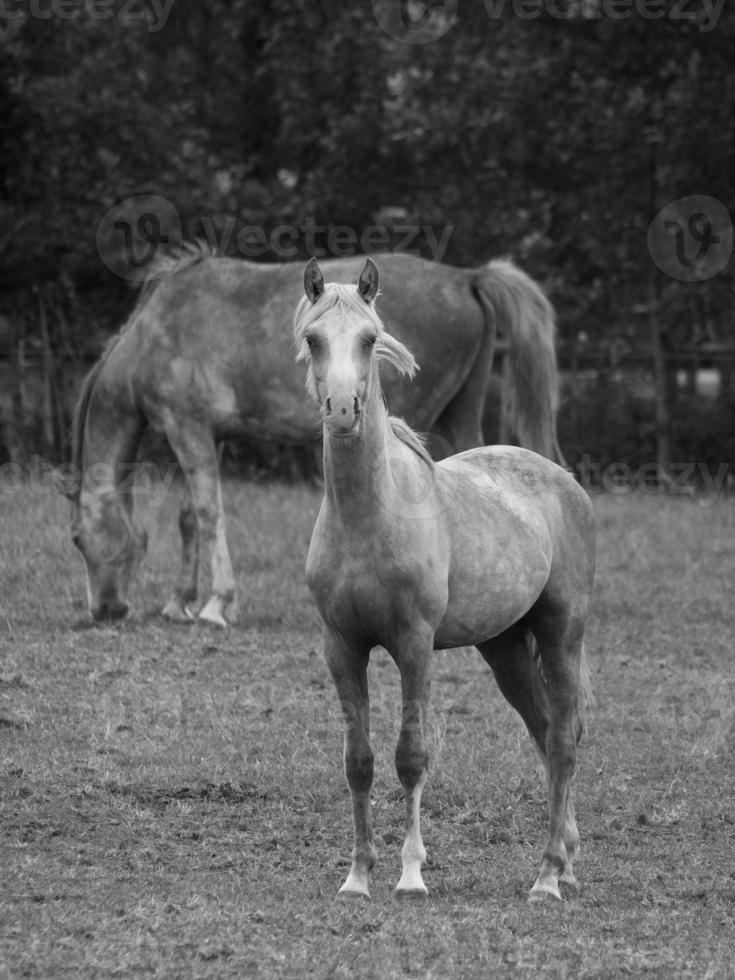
368 342
312 343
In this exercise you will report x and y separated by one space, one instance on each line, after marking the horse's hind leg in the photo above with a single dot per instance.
195 450
512 659
185 591
560 642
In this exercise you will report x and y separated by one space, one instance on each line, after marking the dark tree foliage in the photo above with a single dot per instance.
553 138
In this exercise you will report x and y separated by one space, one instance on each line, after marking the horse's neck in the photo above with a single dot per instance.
356 477
110 441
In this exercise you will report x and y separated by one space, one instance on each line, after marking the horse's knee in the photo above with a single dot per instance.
359 769
561 749
206 517
412 760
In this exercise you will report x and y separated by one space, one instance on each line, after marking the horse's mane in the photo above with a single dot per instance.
403 431
78 421
163 266
341 299
167 264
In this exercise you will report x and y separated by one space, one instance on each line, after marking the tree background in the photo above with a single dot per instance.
551 132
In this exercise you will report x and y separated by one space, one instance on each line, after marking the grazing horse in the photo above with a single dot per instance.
201 359
493 548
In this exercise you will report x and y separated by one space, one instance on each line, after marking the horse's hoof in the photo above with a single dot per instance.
232 613
541 891
176 612
212 613
353 894
217 621
412 894
569 887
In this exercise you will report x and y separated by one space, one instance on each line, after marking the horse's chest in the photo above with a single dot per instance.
365 591
342 584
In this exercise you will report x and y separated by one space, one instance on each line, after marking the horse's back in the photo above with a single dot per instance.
521 474
221 327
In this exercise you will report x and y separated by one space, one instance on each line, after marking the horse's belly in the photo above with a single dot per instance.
482 606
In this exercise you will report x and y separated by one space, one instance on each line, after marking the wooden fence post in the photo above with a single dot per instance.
660 384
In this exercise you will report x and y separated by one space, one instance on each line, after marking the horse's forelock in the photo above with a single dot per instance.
338 298
394 352
344 300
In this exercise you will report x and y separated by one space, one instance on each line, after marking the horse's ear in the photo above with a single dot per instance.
367 285
313 280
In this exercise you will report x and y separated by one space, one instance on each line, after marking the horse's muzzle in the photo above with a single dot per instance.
342 415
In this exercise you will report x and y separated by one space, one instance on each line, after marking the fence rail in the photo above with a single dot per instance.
38 390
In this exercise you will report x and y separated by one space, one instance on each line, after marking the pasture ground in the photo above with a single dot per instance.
173 802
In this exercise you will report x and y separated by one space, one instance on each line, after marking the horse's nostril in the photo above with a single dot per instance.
356 406
328 404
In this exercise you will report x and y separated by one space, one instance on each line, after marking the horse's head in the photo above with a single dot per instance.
340 334
112 547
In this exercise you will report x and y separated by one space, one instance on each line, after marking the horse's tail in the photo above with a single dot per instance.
586 697
585 692
525 318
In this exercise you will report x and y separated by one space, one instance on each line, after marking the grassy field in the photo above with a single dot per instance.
173 803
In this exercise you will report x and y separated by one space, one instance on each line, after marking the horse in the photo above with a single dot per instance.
201 360
493 548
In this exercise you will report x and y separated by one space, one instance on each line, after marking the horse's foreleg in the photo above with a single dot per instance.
349 672
412 756
185 592
195 450
223 580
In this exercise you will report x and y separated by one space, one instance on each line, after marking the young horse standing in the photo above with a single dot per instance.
493 547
